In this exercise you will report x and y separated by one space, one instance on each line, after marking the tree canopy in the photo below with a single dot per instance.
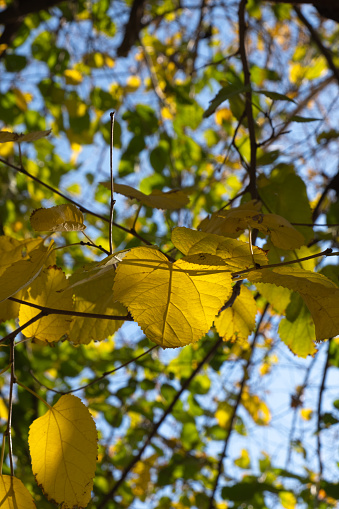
169 274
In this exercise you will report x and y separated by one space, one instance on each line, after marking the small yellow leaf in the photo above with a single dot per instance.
61 218
14 495
244 460
257 409
237 322
224 414
73 77
6 136
133 83
95 296
63 447
21 273
236 254
174 303
170 200
3 413
306 413
287 499
45 291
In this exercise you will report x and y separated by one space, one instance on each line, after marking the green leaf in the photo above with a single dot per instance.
225 93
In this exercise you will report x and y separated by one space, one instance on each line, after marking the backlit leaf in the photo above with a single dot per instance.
21 273
225 93
236 254
63 447
170 200
14 495
6 136
13 250
61 218
45 291
174 303
237 322
319 293
95 296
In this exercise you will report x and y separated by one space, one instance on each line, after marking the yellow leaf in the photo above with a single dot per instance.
244 460
306 413
238 321
95 296
224 414
6 136
174 303
14 495
287 499
257 409
299 335
45 291
10 309
13 250
61 218
21 273
133 83
236 254
319 293
170 200
73 77
279 298
3 414
63 447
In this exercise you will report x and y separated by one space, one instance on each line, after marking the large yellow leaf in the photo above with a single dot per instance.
236 254
174 303
63 447
13 250
231 223
45 291
14 495
238 321
170 200
61 218
21 273
95 296
319 293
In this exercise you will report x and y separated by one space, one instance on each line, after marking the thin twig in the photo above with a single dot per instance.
248 101
157 425
112 185
68 312
8 431
321 392
235 409
107 373
327 252
70 200
34 394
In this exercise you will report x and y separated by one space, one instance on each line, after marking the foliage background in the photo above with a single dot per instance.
158 65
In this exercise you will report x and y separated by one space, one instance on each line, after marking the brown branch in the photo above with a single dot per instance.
322 48
235 409
252 187
111 215
157 425
67 312
321 392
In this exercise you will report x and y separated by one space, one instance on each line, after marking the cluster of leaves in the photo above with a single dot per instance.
206 141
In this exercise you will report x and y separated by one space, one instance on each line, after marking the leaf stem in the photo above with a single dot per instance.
112 185
34 394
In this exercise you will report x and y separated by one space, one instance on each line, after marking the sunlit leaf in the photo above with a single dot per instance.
244 460
21 273
236 254
14 495
174 303
61 218
319 293
225 93
170 200
45 291
237 322
63 447
257 408
6 136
